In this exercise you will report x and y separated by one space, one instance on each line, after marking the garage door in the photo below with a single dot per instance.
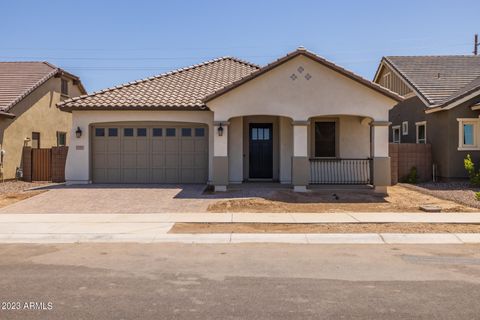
150 154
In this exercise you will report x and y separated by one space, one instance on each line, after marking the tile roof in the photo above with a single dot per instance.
182 89
315 57
437 78
18 79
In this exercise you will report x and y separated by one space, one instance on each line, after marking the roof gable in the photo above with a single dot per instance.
182 89
316 58
18 79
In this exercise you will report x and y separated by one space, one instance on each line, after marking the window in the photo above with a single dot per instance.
61 139
157 132
467 134
36 140
141 132
128 132
171 132
186 132
396 134
325 140
404 128
64 87
99 132
199 132
112 132
421 132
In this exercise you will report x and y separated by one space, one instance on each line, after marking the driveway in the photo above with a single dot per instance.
116 199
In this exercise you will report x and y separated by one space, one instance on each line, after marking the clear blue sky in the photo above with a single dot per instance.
107 43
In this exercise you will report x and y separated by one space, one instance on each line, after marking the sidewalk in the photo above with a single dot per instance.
153 228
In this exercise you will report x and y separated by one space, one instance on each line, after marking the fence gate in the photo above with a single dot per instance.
41 164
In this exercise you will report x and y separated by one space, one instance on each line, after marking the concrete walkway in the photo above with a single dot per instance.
151 228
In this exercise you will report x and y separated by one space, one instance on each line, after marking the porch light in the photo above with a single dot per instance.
220 130
78 133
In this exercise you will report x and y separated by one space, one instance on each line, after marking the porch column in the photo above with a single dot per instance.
300 164
220 156
381 159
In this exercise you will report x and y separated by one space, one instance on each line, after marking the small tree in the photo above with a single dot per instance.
470 168
412 176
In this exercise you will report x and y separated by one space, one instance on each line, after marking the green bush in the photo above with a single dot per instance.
412 176
477 195
472 174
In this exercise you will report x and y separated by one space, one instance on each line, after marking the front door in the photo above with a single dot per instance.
261 151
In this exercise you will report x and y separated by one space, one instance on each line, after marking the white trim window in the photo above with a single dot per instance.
405 128
421 131
468 134
396 134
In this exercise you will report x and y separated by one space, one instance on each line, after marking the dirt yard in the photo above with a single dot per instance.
399 199
14 191
324 228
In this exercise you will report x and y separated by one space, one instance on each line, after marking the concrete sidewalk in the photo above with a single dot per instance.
151 228
149 218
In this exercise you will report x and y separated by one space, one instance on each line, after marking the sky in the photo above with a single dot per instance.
107 43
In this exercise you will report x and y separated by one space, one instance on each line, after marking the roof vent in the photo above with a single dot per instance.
438 75
301 48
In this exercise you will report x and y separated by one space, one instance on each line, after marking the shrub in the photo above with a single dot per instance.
470 168
477 195
412 176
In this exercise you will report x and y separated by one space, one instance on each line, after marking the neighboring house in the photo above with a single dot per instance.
440 107
29 92
299 120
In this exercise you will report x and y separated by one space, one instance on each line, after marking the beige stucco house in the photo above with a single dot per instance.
29 92
299 121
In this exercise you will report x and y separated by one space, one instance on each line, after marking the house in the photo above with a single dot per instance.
29 92
300 120
442 96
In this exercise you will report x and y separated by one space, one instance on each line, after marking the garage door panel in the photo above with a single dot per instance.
187 160
171 175
187 145
171 145
168 154
114 146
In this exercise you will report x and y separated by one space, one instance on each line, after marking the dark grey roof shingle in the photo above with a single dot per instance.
437 78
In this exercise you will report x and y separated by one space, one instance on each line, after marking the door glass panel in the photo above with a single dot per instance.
128 132
171 132
199 132
112 132
141 132
254 133
186 132
157 132
260 133
266 134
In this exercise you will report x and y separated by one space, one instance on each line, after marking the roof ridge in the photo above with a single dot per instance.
161 75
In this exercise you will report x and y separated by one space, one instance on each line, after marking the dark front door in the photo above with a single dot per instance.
261 151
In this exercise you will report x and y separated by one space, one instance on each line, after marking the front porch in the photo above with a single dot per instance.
331 150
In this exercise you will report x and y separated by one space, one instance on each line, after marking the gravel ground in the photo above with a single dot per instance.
11 187
460 192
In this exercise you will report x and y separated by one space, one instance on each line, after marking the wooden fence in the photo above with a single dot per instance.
405 156
44 164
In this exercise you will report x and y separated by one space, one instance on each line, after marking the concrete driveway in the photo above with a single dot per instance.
116 199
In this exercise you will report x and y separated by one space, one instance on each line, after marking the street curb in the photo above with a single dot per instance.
233 238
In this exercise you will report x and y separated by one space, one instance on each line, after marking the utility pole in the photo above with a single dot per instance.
475 45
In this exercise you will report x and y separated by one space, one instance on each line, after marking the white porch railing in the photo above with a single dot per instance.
340 171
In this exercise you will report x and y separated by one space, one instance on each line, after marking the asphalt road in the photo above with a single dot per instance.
247 281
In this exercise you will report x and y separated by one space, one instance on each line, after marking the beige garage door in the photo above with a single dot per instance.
160 153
